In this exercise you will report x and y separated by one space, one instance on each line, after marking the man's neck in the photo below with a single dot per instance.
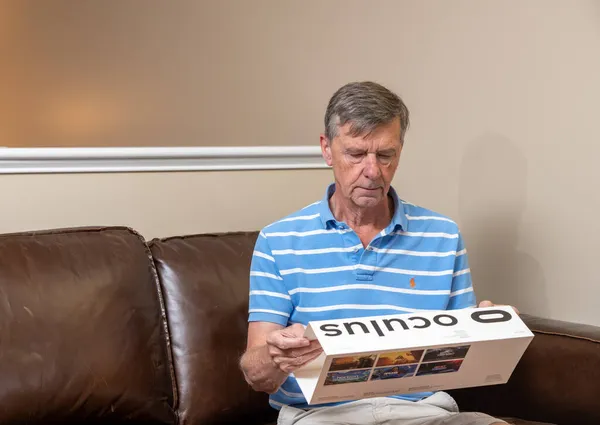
378 216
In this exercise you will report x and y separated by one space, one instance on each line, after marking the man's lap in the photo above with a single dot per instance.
439 409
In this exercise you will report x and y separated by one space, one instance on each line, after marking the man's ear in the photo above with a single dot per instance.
326 150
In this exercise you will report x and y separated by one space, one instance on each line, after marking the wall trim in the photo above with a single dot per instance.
148 159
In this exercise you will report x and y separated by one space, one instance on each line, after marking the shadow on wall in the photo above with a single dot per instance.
492 199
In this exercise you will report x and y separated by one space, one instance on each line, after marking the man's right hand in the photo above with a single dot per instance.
273 352
290 350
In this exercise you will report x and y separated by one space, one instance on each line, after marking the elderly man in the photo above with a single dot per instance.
359 251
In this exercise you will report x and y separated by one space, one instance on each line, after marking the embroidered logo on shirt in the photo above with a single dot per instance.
412 282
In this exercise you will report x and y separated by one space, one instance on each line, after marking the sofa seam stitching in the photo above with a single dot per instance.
164 320
566 335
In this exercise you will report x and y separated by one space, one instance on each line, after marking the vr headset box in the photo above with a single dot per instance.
417 352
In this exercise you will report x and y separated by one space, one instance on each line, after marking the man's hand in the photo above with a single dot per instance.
290 350
273 352
487 303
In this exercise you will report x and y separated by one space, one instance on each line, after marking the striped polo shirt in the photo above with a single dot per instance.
309 266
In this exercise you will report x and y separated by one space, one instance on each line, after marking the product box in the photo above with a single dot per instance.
417 352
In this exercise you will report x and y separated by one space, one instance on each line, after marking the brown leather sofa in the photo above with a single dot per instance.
99 326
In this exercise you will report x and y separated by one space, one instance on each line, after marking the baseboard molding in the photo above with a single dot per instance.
120 160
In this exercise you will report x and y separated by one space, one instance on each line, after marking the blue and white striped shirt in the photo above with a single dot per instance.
309 266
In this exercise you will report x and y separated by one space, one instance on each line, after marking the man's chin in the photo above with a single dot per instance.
367 201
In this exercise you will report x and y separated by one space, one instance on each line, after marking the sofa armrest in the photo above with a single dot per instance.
556 381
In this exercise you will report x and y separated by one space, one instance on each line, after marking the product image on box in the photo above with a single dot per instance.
439 367
334 378
399 358
393 372
352 362
446 353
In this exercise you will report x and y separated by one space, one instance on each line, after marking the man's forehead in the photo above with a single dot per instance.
381 139
390 130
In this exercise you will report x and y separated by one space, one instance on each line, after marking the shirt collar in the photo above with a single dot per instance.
398 220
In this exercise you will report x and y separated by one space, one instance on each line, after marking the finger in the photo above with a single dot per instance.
310 357
487 303
292 335
286 343
275 352
285 340
289 365
295 331
294 352
302 360
299 352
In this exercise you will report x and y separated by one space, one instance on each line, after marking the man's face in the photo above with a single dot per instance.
364 167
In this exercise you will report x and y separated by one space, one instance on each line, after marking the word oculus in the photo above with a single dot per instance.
413 322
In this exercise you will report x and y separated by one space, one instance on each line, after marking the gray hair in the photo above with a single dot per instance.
365 105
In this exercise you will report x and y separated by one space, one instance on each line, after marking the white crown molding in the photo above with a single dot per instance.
146 159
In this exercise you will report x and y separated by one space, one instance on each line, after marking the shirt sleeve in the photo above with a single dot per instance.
269 297
462 294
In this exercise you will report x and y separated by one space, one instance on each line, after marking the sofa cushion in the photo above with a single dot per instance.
82 337
205 286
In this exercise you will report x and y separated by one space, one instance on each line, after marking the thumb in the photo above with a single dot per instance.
486 303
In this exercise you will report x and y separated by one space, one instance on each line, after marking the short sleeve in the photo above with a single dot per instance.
462 294
269 298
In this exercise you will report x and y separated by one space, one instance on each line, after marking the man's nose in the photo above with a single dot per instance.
372 170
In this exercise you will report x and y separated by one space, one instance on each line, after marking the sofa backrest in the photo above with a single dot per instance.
82 334
96 326
204 280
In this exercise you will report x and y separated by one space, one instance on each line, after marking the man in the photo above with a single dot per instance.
360 251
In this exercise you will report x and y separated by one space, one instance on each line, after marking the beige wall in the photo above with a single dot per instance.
504 98
158 204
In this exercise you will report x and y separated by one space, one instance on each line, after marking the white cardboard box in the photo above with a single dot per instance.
417 352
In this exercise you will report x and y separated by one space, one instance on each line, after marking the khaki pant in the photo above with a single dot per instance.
439 409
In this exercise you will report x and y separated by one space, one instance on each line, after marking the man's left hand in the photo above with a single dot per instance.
487 303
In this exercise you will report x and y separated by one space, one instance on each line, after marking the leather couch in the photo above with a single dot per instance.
98 325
